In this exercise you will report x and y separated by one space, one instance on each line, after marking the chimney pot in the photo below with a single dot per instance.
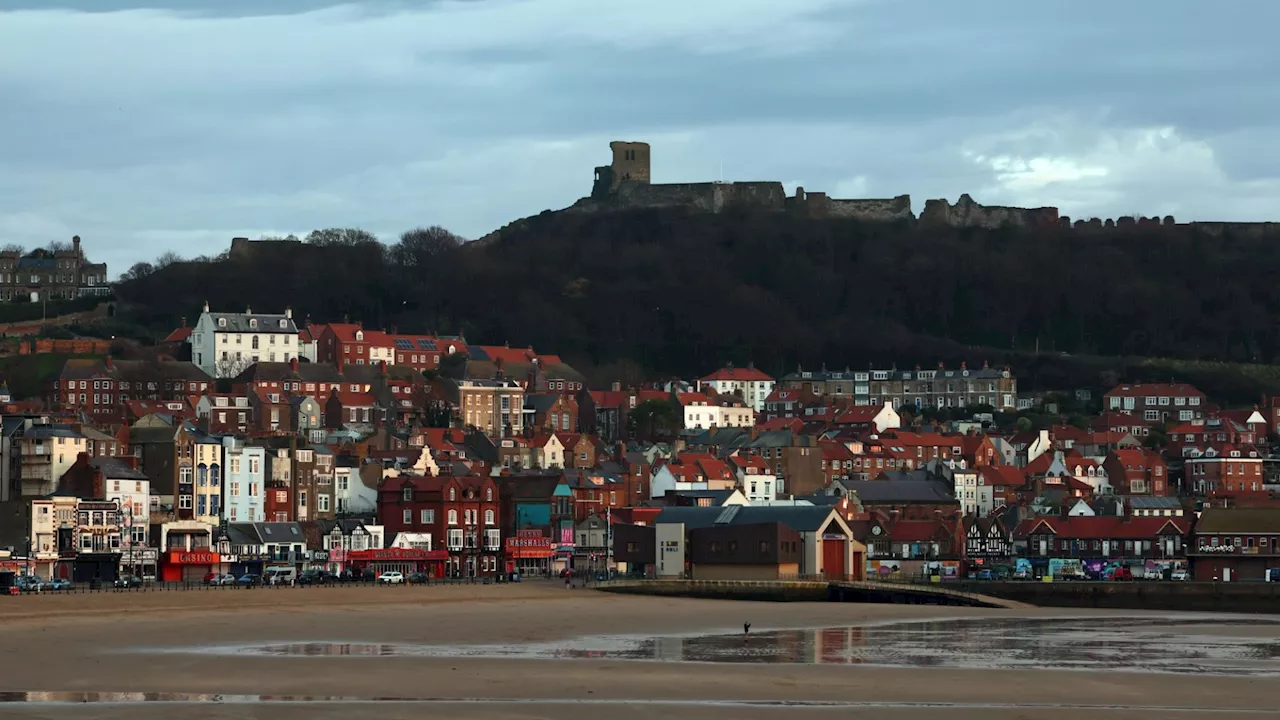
288 312
293 364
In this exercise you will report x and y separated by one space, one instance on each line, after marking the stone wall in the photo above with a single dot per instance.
706 197
968 213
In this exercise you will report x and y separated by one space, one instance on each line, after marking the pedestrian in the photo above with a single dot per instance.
746 631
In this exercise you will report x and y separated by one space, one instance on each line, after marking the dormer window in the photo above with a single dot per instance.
283 323
222 322
408 494
359 336
253 323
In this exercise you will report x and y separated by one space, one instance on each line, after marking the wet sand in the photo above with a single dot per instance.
92 643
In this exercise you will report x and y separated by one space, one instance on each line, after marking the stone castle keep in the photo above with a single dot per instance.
625 184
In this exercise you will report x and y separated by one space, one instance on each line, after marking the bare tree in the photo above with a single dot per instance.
420 246
57 246
341 236
229 367
137 272
13 248
167 259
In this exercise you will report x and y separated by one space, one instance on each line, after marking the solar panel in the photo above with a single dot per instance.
425 344
404 344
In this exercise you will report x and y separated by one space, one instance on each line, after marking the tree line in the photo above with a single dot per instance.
664 292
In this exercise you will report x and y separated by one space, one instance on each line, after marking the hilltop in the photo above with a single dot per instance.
671 290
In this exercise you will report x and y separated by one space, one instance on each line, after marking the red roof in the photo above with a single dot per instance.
179 335
1102 528
692 398
1003 475
746 374
917 530
355 399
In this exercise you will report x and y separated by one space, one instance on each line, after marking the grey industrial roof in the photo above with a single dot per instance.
888 492
799 518
113 469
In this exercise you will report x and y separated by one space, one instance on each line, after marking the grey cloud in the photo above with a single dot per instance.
145 129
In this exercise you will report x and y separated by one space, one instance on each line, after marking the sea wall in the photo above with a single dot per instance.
1139 595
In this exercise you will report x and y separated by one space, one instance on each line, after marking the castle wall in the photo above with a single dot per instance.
967 213
884 210
707 197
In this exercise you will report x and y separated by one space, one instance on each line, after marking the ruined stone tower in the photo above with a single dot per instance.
630 164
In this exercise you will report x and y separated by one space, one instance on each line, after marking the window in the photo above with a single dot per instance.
408 517
455 539
453 493
407 494
428 517
453 518
488 517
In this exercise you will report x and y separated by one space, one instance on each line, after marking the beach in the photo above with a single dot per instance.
167 642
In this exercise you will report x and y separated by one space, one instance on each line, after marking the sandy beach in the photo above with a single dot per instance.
147 642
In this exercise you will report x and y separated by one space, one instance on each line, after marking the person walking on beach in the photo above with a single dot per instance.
746 631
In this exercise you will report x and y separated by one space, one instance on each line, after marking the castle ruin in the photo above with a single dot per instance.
625 184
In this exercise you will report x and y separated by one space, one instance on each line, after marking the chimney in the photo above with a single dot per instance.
382 368
75 245
248 310
110 365
360 324
964 365
288 312
206 306
894 515
395 330
184 321
293 364
616 386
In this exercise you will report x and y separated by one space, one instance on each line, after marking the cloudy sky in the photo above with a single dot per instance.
154 125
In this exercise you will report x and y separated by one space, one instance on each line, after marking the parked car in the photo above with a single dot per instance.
313 577
391 578
249 580
1121 573
127 582
419 578
59 584
985 575
1178 575
30 583
222 579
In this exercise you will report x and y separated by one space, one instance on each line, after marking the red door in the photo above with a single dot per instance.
833 558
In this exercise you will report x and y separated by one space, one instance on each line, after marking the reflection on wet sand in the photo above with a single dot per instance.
1147 644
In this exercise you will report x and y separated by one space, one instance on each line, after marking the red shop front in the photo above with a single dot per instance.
191 566
529 553
405 560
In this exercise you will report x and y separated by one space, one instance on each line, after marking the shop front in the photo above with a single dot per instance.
530 554
140 562
189 566
404 560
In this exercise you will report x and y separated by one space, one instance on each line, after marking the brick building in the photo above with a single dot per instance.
459 514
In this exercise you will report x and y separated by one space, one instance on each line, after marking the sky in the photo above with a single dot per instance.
147 126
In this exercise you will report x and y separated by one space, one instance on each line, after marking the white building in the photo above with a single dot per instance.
748 382
701 412
223 344
756 481
973 493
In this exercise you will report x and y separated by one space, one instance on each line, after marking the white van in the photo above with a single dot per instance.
280 576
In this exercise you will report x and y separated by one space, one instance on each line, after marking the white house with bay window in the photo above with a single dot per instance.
223 344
